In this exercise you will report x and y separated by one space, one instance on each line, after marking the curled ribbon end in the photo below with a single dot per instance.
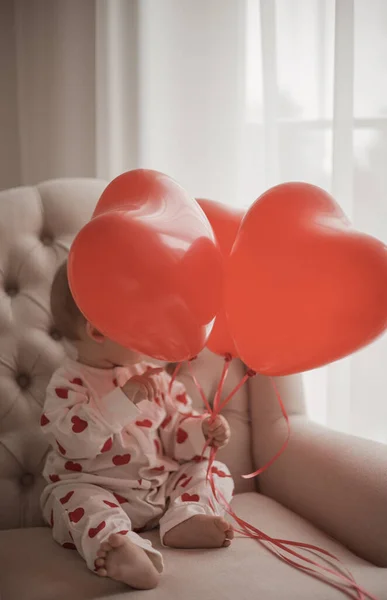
249 476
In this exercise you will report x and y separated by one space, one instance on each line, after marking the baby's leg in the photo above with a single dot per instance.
89 519
194 518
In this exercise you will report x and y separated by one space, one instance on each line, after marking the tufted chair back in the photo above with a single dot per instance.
37 226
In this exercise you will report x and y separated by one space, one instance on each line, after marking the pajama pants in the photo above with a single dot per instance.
83 515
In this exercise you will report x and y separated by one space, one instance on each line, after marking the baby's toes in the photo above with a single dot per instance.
222 524
99 567
105 547
227 529
116 540
99 562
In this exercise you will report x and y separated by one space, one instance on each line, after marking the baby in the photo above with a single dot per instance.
125 456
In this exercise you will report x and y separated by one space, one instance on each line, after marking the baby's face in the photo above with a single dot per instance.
96 349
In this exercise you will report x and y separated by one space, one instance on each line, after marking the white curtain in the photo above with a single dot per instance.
227 96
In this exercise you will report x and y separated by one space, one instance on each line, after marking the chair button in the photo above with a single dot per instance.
46 239
23 380
11 290
27 479
55 334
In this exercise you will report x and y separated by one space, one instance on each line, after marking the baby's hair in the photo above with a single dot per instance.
66 314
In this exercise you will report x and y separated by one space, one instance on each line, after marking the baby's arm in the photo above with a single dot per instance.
80 422
182 430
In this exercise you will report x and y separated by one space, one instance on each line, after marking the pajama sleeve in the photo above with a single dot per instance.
181 431
80 423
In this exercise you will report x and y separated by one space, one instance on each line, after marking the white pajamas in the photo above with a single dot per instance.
116 467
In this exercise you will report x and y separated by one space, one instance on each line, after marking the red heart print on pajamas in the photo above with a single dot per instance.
186 482
182 398
73 466
219 472
79 424
107 445
144 423
190 497
54 478
157 400
166 422
181 436
123 531
180 479
157 445
198 459
62 393
69 546
66 498
93 531
61 449
77 381
43 420
119 498
121 459
76 515
159 469
111 504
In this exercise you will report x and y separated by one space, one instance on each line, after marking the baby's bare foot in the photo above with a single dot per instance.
200 531
122 560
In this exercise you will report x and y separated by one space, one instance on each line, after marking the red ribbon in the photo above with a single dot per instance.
282 548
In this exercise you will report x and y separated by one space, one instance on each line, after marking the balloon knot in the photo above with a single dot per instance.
228 357
193 358
251 373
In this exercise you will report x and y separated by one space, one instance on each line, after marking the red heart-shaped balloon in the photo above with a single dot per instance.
302 287
146 270
225 222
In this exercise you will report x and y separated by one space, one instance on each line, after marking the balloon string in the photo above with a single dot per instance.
218 393
246 377
174 375
277 546
271 546
286 442
281 545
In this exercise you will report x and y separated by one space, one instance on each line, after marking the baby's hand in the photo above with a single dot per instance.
218 432
142 387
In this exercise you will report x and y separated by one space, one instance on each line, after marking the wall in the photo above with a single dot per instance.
9 127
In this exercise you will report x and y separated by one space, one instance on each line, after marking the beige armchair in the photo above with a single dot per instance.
327 489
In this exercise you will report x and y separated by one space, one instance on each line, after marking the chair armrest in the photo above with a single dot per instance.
336 481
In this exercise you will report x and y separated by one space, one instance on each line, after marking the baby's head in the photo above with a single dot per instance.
92 346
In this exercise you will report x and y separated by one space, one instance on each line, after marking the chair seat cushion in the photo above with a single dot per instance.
34 567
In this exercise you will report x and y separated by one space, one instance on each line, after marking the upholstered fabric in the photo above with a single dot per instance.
37 226
337 481
245 571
